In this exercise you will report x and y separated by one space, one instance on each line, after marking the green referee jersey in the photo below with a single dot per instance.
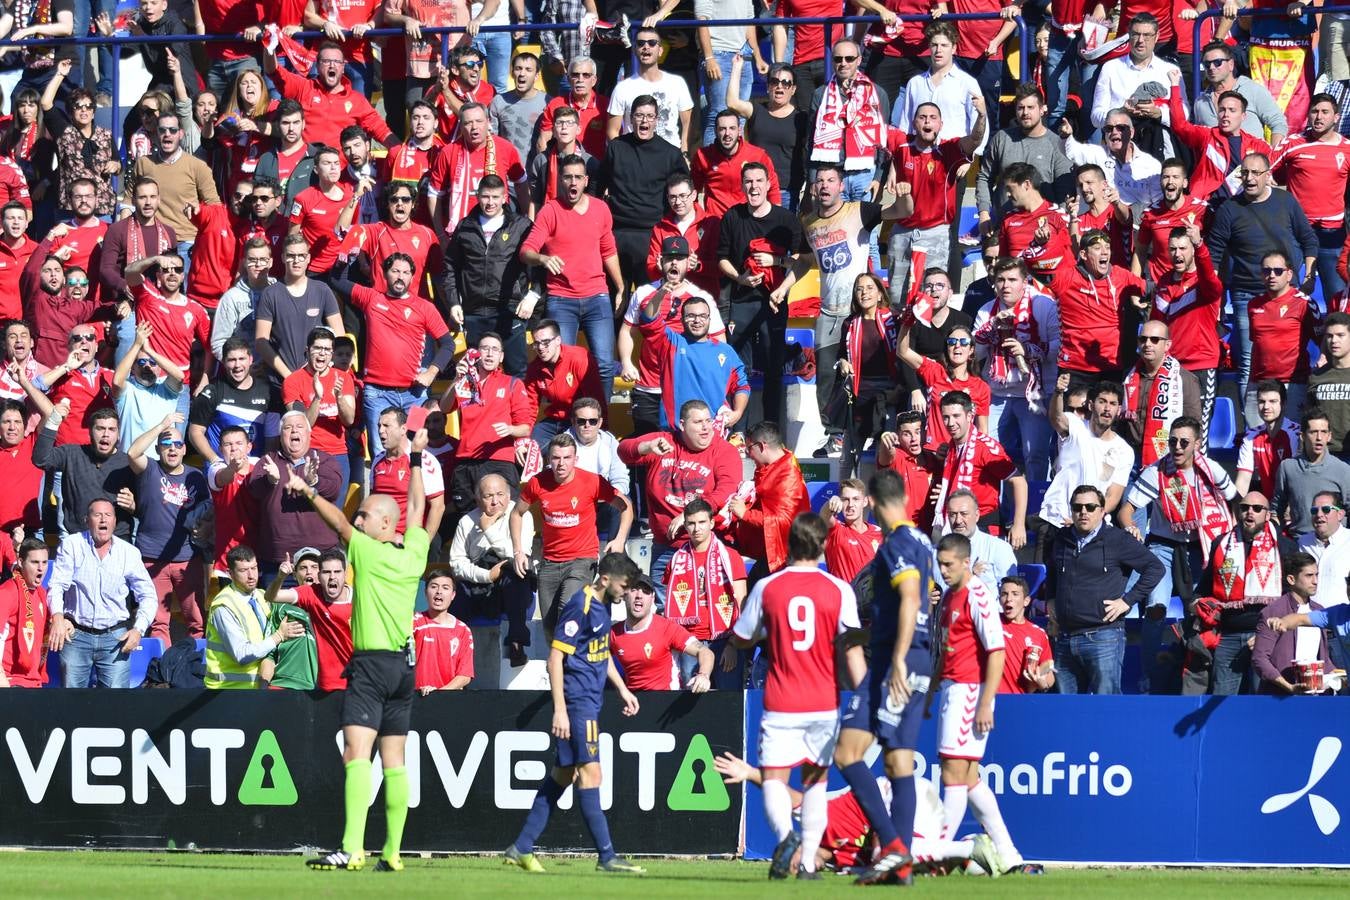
297 660
384 588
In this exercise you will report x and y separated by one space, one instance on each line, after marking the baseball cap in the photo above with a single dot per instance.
644 584
305 553
674 246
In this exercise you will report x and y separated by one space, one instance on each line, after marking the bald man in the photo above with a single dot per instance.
380 678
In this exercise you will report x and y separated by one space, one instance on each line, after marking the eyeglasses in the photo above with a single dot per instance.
262 198
172 444
1325 509
1215 63
242 198
644 117
781 82
1085 507
582 421
168 130
471 64
698 317
649 42
1152 339
1273 270
77 282
1180 443
845 59
681 197
85 338
544 342
171 270
1141 36
1252 173
297 256
86 105
332 62
1252 507
258 261
958 342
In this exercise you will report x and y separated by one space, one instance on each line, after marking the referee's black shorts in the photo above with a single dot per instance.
380 687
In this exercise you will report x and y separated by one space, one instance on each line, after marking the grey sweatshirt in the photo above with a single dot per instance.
1010 146
1262 111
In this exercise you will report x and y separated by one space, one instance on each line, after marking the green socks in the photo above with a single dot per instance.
395 810
356 801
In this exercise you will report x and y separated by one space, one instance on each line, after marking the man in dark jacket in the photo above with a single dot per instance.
485 285
1090 563
290 147
156 19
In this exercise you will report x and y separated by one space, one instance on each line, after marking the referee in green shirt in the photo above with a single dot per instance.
378 699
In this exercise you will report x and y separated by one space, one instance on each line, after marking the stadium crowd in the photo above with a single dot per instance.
298 257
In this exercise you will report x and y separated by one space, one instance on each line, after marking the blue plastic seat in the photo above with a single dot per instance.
820 493
148 649
1034 573
1223 427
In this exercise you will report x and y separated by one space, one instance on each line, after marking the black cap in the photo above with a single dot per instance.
674 246
643 583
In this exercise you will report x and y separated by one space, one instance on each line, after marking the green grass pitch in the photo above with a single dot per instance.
107 875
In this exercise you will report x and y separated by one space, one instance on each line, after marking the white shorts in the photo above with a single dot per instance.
957 737
788 740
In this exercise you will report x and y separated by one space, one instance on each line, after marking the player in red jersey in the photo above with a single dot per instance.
444 644
324 594
644 644
1176 209
970 668
23 618
853 541
1028 665
799 611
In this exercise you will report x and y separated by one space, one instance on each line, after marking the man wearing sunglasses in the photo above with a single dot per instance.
328 99
183 179
177 321
1132 172
1218 68
1158 391
1090 566
1329 544
170 497
674 105
1283 320
367 246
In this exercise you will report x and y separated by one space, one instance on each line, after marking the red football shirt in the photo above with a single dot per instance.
847 551
574 375
176 323
1191 309
991 465
970 630
1121 233
647 657
1315 173
975 35
83 240
23 630
444 650
1155 228
918 479
332 624
396 332
800 610
592 118
1281 328
23 485
501 398
329 433
379 240
1019 230
317 215
718 176
1089 316
931 174
568 512
87 392
1262 452
389 476
1017 639
583 239
236 512
940 382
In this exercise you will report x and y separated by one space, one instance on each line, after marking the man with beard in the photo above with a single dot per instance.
1090 451
1315 167
141 234
291 162
91 471
177 321
1189 299
1096 299
183 179
1030 142
1176 209
410 162
716 168
366 247
83 233
698 225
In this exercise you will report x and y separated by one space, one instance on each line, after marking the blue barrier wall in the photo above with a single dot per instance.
1153 779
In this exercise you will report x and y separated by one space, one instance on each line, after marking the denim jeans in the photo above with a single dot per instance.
1242 336
1329 243
662 553
715 92
185 251
358 73
105 56
1090 662
721 681
375 400
545 430
509 329
1025 435
99 654
595 316
1233 665
1059 63
496 49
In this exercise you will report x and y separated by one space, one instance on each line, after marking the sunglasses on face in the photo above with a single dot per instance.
1324 509
1085 507
400 199
1215 63
1273 270
1124 129
241 198
471 64
77 282
781 82
583 75
84 338
648 42
845 59
171 445
83 107
1151 339
172 270
167 130
958 342
1179 443
1251 507
145 361
580 421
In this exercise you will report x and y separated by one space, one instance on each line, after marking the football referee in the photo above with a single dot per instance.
378 699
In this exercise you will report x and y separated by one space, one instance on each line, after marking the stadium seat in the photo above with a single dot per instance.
820 493
1223 426
1034 573
1175 610
149 649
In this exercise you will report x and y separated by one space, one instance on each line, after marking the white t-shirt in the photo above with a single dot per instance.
672 98
501 17
1084 458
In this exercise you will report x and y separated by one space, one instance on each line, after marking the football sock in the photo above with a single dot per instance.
903 804
778 807
985 806
356 802
395 810
545 798
814 818
953 808
589 801
868 795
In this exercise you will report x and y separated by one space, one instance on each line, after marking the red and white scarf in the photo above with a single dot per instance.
1241 577
854 125
136 246
1005 368
884 323
958 470
279 43
31 610
697 593
465 181
1195 506
1163 407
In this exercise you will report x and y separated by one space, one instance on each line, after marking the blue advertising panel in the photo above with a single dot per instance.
1151 779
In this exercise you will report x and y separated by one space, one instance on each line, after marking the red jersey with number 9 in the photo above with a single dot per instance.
799 611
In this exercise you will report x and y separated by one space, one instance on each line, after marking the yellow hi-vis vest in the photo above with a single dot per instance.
223 671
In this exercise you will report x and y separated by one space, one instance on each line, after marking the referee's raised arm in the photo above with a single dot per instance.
417 495
333 516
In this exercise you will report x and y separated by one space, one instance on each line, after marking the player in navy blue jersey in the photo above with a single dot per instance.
889 707
578 666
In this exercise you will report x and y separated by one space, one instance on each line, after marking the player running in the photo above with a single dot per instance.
800 610
889 708
578 666
378 698
970 668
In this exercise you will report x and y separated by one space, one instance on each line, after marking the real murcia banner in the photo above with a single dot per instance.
227 769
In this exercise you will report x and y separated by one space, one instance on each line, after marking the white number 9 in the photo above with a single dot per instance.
802 619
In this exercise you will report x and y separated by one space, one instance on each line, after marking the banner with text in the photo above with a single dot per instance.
1151 779
245 770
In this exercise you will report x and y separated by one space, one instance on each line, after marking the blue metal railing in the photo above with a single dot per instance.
118 41
1245 14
